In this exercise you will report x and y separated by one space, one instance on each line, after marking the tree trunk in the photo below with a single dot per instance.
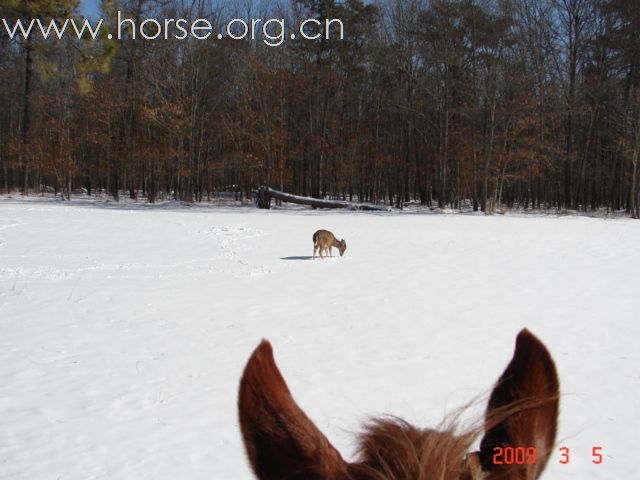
26 115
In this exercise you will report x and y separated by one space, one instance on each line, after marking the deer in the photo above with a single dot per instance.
324 240
282 443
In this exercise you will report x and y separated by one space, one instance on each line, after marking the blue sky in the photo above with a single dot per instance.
89 7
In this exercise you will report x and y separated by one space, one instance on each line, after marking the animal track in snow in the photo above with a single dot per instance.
231 238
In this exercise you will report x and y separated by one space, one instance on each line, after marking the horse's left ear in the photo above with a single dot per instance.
522 411
281 441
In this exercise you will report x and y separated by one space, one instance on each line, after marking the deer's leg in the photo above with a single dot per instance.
315 247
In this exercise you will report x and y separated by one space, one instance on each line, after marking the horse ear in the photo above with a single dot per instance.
281 441
522 411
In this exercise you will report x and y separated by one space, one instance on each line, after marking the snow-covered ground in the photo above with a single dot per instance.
124 329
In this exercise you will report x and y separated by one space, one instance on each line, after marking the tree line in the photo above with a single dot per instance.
465 104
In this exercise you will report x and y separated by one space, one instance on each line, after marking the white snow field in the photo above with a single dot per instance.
124 329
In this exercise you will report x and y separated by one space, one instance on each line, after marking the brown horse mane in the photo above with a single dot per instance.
391 448
283 443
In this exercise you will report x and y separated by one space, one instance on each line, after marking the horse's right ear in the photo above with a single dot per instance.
281 441
522 412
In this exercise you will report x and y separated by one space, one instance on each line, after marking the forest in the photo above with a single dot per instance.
464 104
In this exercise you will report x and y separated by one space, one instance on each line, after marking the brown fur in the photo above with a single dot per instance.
283 443
324 240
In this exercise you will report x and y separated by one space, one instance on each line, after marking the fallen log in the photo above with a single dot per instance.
264 194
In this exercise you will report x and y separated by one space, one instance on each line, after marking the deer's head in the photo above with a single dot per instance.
342 247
